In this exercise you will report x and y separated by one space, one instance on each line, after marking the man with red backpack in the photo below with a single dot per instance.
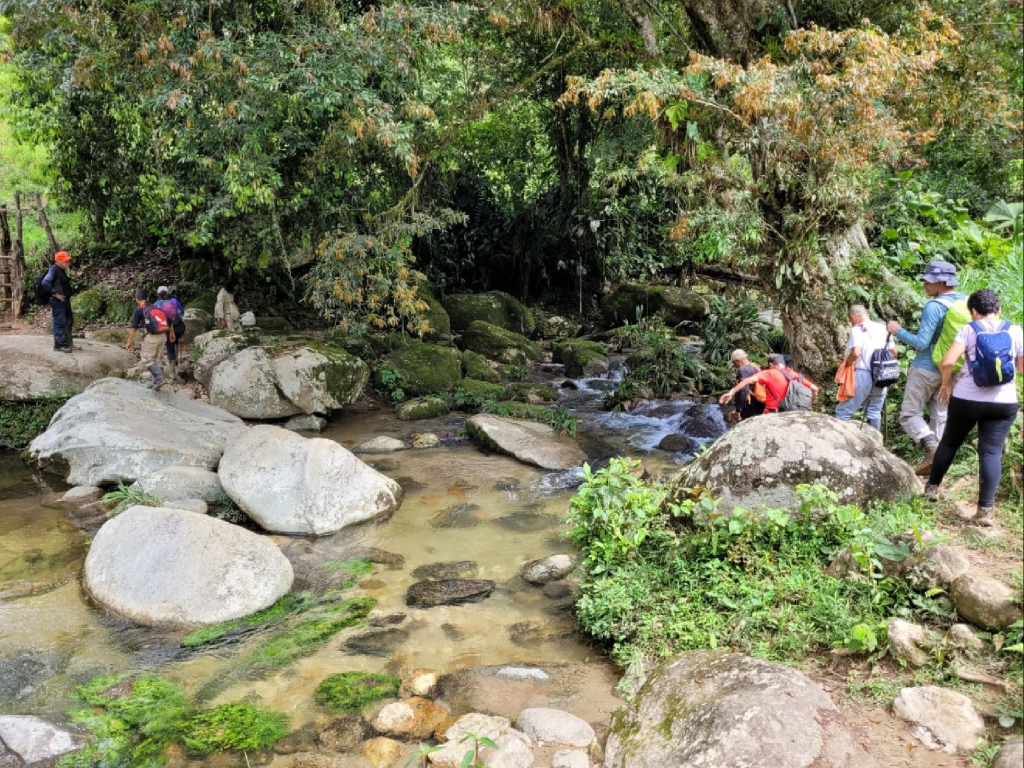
785 389
175 314
158 332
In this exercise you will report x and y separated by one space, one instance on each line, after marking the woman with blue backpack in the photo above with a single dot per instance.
982 394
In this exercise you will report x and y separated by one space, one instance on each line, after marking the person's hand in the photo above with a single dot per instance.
128 347
223 323
725 398
59 296
944 393
892 326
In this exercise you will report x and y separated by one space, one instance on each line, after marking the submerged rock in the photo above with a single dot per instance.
453 569
31 369
379 641
547 569
381 444
761 461
35 741
527 441
712 708
428 594
291 484
306 423
168 567
120 431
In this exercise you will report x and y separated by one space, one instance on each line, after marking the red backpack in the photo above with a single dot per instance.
156 320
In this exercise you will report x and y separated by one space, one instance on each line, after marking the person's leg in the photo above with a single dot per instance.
58 310
962 418
873 407
69 324
152 351
994 424
845 409
937 413
920 388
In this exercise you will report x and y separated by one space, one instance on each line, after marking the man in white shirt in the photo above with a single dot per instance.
866 336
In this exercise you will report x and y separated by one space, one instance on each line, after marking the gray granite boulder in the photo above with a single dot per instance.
169 483
30 368
526 441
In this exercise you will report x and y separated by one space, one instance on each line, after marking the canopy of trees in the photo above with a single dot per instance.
536 146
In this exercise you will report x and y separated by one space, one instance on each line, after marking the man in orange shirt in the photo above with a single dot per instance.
776 379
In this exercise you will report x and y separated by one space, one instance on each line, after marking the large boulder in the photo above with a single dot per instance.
168 567
500 344
282 380
197 322
30 368
169 483
494 307
762 461
291 484
576 353
674 305
425 368
527 441
440 327
705 709
213 348
120 431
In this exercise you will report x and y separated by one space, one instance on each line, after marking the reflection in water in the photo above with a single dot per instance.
460 504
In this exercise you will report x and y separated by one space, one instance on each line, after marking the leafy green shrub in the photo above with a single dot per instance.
129 496
352 691
21 422
667 575
734 326
234 726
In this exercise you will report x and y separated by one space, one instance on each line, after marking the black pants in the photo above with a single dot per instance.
63 322
752 408
994 421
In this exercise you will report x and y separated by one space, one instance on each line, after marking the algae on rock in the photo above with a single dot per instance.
426 368
495 307
499 344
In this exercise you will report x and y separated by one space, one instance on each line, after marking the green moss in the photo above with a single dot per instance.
474 393
525 391
576 354
344 376
204 301
476 367
494 307
499 344
353 567
88 305
293 602
353 691
674 304
274 325
425 368
556 327
422 408
234 726
21 422
436 317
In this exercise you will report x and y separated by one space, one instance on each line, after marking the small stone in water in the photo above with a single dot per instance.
455 569
522 673
427 594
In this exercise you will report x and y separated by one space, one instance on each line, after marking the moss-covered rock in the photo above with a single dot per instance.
118 336
494 307
674 305
425 368
476 392
204 301
499 344
274 325
353 691
88 305
551 327
530 392
422 408
576 353
436 317
476 367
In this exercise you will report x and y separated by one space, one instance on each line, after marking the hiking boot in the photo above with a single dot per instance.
931 445
984 517
62 349
931 492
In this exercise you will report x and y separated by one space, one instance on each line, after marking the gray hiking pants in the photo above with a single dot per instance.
922 389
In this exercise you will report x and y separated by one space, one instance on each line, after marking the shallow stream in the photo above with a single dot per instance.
461 504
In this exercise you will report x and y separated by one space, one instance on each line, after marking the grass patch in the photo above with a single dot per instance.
293 602
559 419
352 691
129 496
234 726
20 423
663 578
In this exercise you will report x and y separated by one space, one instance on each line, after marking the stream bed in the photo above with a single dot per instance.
461 503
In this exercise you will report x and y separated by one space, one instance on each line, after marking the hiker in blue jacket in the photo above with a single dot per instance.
923 378
57 284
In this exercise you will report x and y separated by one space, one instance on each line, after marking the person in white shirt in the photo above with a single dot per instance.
866 336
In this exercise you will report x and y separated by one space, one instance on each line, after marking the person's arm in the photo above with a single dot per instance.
739 385
946 366
131 340
813 387
218 310
51 275
931 318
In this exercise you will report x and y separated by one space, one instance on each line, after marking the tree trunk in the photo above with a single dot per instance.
727 28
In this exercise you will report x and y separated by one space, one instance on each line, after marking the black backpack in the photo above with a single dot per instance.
39 292
885 369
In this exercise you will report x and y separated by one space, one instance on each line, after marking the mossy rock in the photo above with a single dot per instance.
479 391
494 307
118 307
88 305
274 325
118 336
674 305
204 301
552 327
476 367
422 408
530 392
425 368
236 726
576 354
436 317
354 691
499 344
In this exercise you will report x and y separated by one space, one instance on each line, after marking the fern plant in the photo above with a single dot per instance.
129 496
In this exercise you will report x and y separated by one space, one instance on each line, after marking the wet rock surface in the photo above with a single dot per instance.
452 569
428 594
526 441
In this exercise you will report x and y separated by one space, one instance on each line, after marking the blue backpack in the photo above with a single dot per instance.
992 365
